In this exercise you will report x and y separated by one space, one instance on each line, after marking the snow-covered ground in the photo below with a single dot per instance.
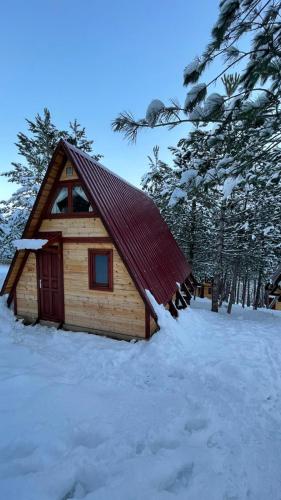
194 414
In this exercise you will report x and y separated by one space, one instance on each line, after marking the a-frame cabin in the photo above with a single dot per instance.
105 244
274 290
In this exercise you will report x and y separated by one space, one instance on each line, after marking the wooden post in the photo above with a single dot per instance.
173 310
180 299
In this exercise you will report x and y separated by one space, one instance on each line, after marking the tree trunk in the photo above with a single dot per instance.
238 290
266 298
219 256
254 291
248 294
232 292
244 290
222 292
192 231
262 296
258 292
215 293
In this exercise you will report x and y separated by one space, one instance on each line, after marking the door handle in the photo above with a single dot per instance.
40 283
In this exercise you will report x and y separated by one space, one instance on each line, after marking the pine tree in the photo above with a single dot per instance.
77 136
228 227
2 235
238 161
254 98
36 149
158 180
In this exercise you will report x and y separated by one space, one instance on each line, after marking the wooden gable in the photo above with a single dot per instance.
53 172
121 312
68 173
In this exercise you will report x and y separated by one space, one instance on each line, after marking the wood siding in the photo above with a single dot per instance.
35 218
75 227
278 306
153 326
120 311
27 304
65 177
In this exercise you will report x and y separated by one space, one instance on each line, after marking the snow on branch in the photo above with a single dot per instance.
153 111
192 71
229 185
213 104
194 96
177 195
187 176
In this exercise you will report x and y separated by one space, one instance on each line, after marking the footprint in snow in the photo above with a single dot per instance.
16 451
164 444
195 425
215 440
180 480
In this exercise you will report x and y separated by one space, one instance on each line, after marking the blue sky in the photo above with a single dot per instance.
92 59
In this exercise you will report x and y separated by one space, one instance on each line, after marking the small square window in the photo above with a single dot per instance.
100 270
69 171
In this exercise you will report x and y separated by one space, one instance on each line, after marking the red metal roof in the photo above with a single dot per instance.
142 237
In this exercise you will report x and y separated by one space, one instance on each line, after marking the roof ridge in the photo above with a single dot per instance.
97 163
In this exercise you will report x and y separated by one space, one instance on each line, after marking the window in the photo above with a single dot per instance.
80 202
69 199
69 171
100 270
60 205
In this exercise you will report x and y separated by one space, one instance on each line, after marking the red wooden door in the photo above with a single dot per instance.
50 285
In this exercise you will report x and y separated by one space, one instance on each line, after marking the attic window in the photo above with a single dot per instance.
71 198
80 202
60 205
69 171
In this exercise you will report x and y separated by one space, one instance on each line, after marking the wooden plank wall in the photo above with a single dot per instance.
35 218
153 326
278 306
65 177
120 311
44 196
75 227
27 305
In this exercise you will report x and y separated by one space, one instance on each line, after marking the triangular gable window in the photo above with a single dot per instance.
60 205
69 199
80 202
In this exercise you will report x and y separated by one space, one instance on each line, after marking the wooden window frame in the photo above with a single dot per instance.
92 252
70 214
67 169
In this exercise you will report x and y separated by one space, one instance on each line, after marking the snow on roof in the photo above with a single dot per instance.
29 244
